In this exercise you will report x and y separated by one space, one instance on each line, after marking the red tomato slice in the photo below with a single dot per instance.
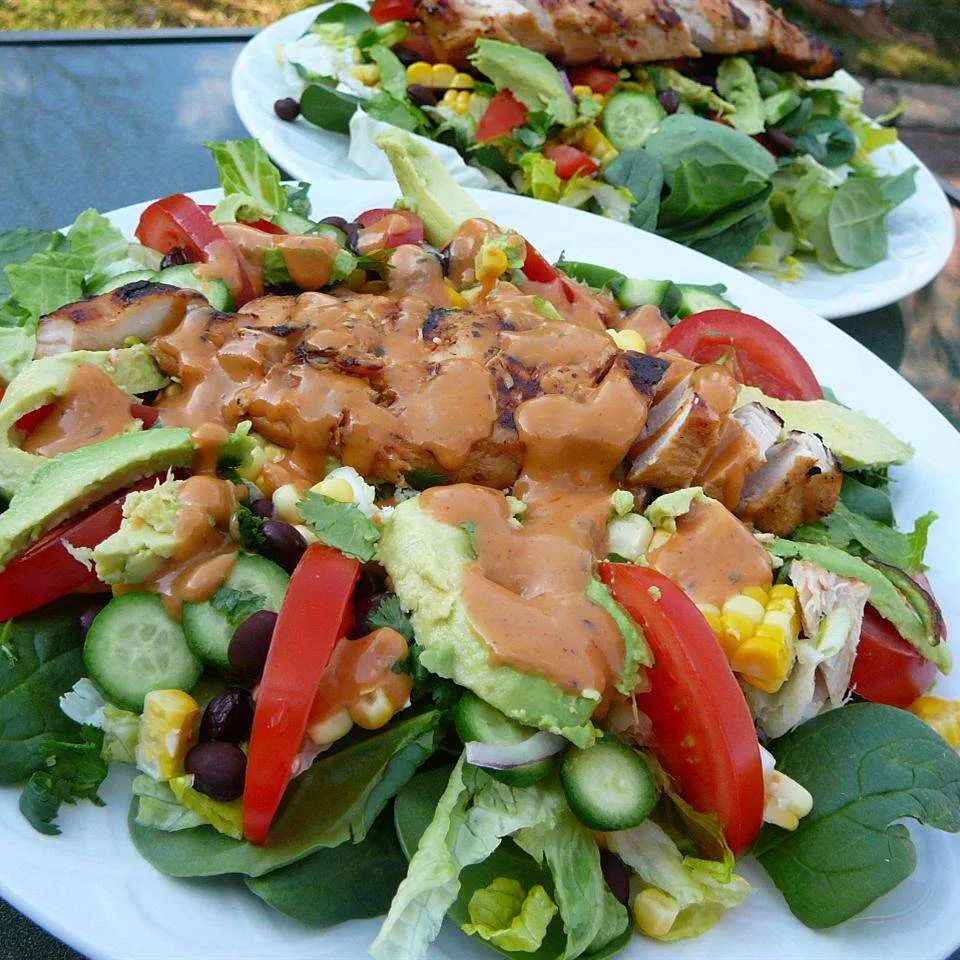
369 217
596 78
761 356
570 161
391 228
315 614
503 114
47 571
383 11
146 414
704 734
537 267
30 421
887 669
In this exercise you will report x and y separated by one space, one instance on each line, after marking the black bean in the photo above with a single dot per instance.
780 141
422 96
218 770
362 610
616 875
176 257
287 109
262 508
250 644
669 100
285 544
89 614
407 56
228 717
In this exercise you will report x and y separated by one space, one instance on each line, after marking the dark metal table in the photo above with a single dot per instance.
106 120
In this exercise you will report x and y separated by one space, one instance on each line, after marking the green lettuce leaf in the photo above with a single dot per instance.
737 84
86 705
614 202
540 178
340 525
21 244
509 917
158 808
244 168
96 242
393 74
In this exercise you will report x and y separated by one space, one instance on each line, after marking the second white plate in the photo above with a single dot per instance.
920 231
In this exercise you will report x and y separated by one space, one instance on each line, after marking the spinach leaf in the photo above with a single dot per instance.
349 882
354 20
71 772
401 113
336 801
327 108
683 136
828 140
870 501
642 174
867 766
40 660
393 74
735 242
898 187
340 525
855 222
699 192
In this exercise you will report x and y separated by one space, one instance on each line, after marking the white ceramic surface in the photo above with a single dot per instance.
91 888
921 231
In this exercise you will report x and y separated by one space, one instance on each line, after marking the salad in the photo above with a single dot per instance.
416 575
756 152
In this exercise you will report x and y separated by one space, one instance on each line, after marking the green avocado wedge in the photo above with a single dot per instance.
67 484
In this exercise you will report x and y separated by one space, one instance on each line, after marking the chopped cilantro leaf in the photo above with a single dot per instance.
390 614
423 477
237 605
251 528
340 525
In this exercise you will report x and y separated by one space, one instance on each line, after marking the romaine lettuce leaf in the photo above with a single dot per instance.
510 917
244 168
540 179
737 84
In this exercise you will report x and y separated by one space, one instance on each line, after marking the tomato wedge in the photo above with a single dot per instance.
887 668
30 421
760 355
596 78
315 614
503 114
391 228
570 161
703 732
383 11
46 571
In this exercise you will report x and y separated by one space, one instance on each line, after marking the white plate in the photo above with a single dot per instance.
920 231
91 888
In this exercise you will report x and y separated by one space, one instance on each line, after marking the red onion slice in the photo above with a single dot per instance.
506 756
566 84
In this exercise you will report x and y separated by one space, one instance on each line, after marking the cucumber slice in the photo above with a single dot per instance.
134 647
183 276
608 785
208 631
591 274
661 293
475 719
131 276
631 118
293 223
696 298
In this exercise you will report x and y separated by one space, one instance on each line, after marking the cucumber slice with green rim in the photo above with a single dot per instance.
293 223
208 631
631 118
134 646
183 276
608 785
661 293
475 719
131 276
592 274
695 298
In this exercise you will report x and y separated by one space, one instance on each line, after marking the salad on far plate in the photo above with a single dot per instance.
418 576
728 130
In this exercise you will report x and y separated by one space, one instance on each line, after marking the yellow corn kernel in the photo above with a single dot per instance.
738 625
489 264
458 100
592 142
442 75
744 606
940 715
286 499
456 298
783 591
628 340
367 73
763 661
331 729
462 81
785 801
757 593
373 710
420 73
582 90
168 729
336 488
655 912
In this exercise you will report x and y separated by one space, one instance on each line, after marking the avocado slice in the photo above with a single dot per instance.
428 187
66 484
426 559
858 441
528 75
132 369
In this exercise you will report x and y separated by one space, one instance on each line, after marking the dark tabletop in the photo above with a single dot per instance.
119 119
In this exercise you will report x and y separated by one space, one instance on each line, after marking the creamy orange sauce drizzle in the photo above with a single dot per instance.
91 409
359 667
712 555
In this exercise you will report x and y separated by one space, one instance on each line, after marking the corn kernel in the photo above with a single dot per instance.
336 488
367 73
462 81
758 594
456 298
420 73
582 90
745 606
595 144
285 503
168 729
655 912
442 75
373 710
331 729
941 715
740 626
628 340
489 263
783 591
763 661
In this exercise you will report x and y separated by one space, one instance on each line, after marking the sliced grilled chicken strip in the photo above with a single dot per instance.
143 310
761 423
799 483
